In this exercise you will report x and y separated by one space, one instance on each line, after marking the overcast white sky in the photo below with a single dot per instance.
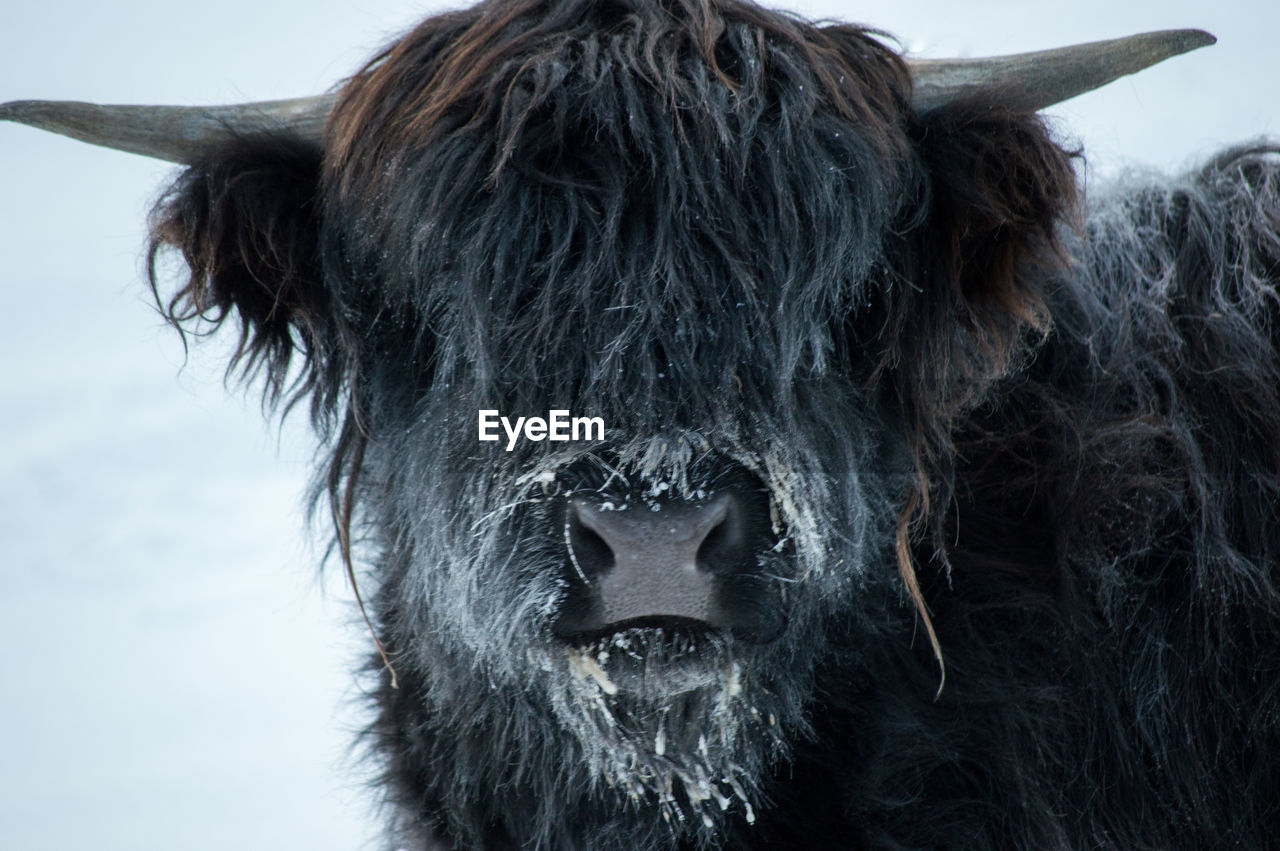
171 674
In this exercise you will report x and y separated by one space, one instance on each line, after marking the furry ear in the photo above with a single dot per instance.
246 219
1000 187
972 258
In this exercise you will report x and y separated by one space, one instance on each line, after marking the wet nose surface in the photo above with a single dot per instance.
658 568
653 562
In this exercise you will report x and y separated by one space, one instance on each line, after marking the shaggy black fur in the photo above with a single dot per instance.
1034 442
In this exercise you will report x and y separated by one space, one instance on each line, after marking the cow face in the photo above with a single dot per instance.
559 234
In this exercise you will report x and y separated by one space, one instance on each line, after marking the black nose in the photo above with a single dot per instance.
652 562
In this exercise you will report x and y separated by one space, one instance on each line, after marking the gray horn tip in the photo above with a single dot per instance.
1198 38
1176 42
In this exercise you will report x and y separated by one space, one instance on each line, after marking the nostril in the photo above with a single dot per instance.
724 548
589 553
716 546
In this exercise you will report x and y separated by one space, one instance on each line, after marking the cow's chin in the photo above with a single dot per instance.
671 718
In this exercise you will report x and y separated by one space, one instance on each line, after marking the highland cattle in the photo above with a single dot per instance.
938 507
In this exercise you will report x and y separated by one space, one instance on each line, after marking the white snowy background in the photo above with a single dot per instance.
173 672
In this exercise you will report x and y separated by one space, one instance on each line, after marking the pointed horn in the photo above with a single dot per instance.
178 134
1034 81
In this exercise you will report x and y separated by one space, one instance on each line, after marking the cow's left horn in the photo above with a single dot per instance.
1036 80
175 133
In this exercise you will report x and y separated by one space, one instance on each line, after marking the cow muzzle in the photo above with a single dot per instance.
673 564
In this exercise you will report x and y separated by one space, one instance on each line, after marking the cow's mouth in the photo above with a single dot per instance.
677 632
655 656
